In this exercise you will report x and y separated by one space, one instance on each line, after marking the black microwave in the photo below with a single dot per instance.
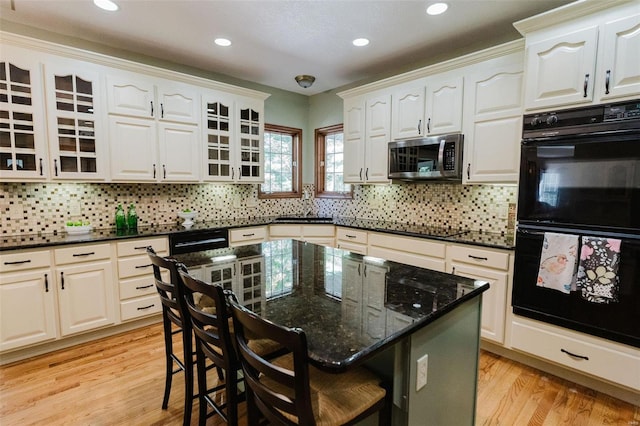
432 158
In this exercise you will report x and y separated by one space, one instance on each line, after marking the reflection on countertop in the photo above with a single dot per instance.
449 234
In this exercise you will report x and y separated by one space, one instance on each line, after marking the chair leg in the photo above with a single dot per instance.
202 385
187 343
253 413
168 349
232 397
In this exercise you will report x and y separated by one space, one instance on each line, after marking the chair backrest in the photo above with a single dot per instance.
172 305
211 326
276 388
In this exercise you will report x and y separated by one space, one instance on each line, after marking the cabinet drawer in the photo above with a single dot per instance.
86 253
141 307
25 260
413 259
134 266
417 246
352 235
139 246
139 286
480 257
608 363
318 230
289 231
247 234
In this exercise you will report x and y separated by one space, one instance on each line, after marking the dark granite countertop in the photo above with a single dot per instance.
30 241
350 306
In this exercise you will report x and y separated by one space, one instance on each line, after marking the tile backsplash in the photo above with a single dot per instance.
31 208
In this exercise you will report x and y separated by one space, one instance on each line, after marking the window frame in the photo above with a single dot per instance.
296 174
320 148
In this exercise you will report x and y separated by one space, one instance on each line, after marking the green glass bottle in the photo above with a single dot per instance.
132 218
121 219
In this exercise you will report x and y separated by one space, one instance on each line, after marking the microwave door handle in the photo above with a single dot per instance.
441 157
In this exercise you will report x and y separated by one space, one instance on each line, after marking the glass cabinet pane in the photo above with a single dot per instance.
218 137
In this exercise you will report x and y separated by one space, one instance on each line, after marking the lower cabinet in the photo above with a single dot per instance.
84 278
352 240
412 251
486 265
601 358
137 291
27 299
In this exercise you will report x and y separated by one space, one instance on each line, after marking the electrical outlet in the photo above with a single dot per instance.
503 211
75 209
421 378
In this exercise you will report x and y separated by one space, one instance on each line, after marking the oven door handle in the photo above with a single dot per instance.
197 243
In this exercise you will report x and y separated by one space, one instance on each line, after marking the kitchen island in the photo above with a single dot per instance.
408 324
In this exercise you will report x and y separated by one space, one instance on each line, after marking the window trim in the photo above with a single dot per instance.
320 135
296 174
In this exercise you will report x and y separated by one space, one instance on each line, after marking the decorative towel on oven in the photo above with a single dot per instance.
597 277
558 261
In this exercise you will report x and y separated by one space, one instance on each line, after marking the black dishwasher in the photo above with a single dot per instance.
198 240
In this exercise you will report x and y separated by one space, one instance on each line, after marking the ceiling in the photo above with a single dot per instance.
273 41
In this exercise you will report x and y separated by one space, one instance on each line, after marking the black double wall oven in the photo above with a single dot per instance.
580 176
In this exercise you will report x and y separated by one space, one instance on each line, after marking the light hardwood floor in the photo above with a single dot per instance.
120 380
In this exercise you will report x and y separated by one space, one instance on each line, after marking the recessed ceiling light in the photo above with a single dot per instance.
106 5
222 42
360 42
437 8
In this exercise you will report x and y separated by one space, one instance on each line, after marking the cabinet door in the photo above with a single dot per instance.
374 317
494 300
179 152
561 70
132 142
351 291
22 132
218 135
354 142
250 285
619 67
222 274
27 308
75 110
444 106
378 135
131 96
85 297
178 102
494 130
250 167
407 112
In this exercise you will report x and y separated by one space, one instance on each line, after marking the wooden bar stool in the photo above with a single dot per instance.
288 391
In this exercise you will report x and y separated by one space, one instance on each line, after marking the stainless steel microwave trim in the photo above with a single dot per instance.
454 174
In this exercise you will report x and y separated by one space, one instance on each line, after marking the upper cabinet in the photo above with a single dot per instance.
233 134
575 61
493 120
23 150
77 140
153 129
367 130
426 107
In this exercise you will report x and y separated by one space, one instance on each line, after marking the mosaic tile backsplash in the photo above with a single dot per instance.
31 208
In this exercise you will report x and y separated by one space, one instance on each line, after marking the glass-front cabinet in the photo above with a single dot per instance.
22 135
74 116
251 126
218 135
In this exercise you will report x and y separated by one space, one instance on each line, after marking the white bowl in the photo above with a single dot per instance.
76 230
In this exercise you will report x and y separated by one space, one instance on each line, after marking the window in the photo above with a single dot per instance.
282 165
329 167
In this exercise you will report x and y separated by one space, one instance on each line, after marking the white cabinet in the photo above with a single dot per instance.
154 131
77 140
407 111
233 134
487 265
428 106
419 252
23 148
245 236
493 120
367 132
352 240
27 299
444 105
137 291
317 234
591 59
604 359
85 287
